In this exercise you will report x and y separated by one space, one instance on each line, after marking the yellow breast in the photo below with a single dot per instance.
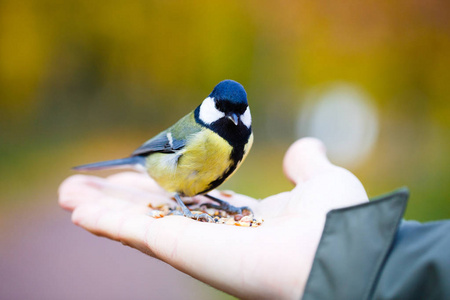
191 170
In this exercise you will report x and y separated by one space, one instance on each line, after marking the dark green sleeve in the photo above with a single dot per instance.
418 266
368 252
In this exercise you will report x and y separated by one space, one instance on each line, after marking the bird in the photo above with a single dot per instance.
199 152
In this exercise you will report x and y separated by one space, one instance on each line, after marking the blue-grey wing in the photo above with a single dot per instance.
163 142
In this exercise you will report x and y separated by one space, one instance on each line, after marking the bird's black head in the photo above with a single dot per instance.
226 111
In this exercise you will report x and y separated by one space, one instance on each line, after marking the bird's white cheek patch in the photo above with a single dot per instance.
208 111
246 118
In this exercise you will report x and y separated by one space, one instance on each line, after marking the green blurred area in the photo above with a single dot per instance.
82 81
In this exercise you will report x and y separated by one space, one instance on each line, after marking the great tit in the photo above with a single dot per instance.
200 151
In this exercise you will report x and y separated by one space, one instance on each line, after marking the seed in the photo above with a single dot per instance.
238 217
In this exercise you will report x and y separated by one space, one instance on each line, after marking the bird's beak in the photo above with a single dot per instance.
234 118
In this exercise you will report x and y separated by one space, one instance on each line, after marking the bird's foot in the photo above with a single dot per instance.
187 213
203 216
224 205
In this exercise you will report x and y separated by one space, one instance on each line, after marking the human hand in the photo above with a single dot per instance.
270 261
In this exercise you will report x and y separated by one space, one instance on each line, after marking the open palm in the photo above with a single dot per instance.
270 261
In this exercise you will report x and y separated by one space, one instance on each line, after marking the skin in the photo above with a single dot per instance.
267 262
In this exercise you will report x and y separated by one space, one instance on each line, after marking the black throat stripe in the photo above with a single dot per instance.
236 135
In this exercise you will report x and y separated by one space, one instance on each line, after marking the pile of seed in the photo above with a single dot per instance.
219 216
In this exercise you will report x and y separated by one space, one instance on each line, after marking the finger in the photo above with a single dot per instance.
305 159
80 189
72 192
127 227
136 180
157 237
121 187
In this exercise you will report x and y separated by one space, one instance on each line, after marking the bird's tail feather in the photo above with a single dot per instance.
136 162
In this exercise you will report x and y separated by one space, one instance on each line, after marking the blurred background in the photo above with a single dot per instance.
82 81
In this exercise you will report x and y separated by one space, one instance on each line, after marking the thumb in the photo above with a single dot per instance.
305 159
320 185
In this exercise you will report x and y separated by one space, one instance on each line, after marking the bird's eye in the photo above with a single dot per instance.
223 106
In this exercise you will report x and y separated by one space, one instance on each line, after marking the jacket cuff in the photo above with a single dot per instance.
353 248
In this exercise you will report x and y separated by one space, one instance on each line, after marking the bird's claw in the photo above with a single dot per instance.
203 216
188 214
225 206
231 209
